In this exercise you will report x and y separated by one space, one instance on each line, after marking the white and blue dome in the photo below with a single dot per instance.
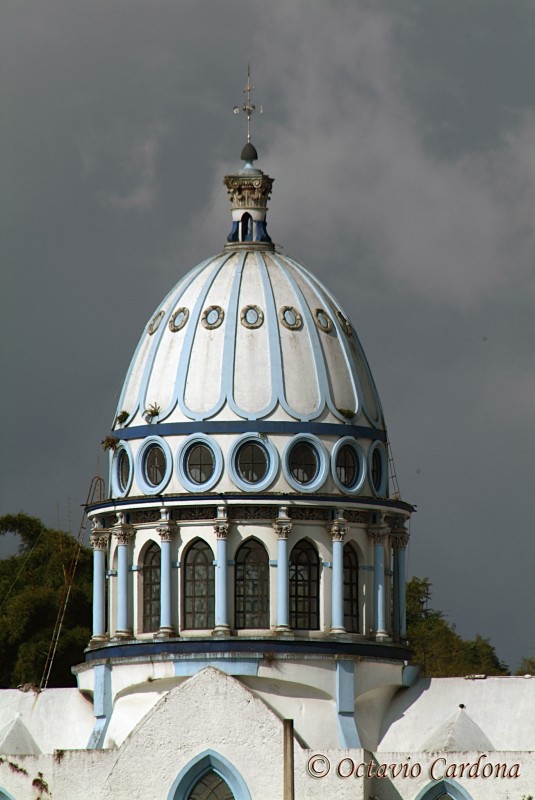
249 348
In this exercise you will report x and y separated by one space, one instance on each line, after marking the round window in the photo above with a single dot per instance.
323 320
252 462
212 317
290 318
303 463
251 317
155 465
347 466
200 463
179 319
123 470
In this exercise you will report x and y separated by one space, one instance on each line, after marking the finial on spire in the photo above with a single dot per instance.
248 109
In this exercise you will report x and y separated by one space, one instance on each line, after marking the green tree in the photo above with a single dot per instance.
526 666
31 587
436 646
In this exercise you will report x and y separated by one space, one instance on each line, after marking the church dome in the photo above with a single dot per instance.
249 376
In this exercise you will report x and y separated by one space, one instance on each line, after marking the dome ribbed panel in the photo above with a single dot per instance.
340 390
299 381
252 390
209 359
363 386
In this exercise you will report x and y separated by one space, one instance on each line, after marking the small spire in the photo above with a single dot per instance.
248 153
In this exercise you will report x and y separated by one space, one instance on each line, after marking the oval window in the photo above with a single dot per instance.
179 319
377 470
290 318
303 462
155 465
252 462
347 466
200 463
123 470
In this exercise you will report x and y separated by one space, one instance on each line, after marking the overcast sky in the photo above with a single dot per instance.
401 136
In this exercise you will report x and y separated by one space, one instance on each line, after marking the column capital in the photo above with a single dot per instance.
283 528
221 529
99 539
379 529
400 539
122 531
166 530
338 529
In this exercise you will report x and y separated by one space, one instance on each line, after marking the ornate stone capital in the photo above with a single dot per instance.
221 530
166 529
379 530
400 539
282 528
123 534
338 529
122 531
99 540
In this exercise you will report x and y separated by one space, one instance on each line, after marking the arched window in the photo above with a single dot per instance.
444 790
246 228
199 587
151 588
211 786
351 589
304 587
251 588
209 776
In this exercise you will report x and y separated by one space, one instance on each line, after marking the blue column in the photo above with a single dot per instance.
400 540
283 527
123 534
222 627
166 529
379 533
99 543
338 531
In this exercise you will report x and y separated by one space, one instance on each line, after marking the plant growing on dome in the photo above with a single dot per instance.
110 443
122 416
152 411
347 413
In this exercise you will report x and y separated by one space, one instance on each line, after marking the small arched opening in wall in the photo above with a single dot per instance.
209 776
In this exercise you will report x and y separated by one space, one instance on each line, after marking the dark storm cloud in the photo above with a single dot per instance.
401 136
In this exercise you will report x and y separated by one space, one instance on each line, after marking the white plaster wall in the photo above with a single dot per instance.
55 718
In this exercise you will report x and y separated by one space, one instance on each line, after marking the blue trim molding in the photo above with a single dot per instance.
182 468
250 426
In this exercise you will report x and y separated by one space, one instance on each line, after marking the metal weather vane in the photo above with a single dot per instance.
248 108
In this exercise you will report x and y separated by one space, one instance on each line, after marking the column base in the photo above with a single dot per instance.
283 630
165 633
338 631
98 639
221 630
120 635
382 636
